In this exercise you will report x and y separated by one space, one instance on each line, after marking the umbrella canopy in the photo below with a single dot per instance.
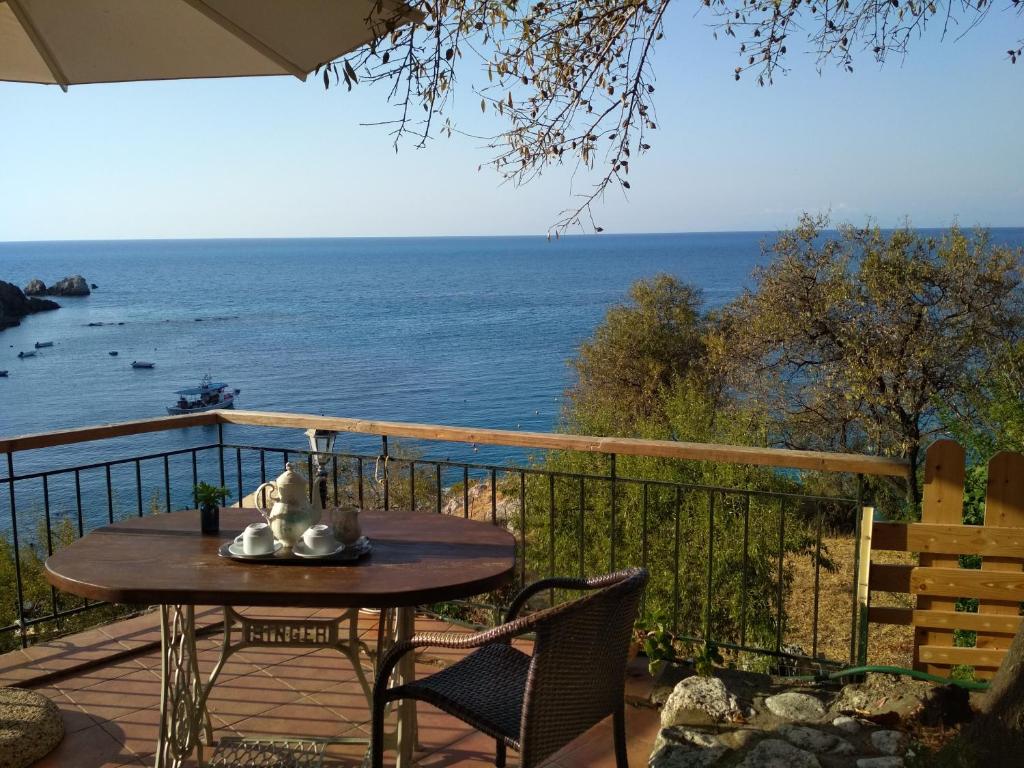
68 42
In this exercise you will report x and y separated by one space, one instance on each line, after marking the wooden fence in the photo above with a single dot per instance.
938 581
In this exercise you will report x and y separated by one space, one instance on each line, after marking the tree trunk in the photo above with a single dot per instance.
997 735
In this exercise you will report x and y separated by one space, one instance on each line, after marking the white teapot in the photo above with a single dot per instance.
292 512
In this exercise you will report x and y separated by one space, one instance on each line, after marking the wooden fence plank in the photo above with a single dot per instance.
890 577
881 614
976 657
1004 507
1007 542
963 582
943 502
976 622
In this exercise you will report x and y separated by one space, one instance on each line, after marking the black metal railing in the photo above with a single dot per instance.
720 557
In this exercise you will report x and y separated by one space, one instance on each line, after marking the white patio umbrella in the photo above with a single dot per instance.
69 42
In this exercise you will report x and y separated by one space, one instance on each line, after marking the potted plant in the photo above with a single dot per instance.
209 499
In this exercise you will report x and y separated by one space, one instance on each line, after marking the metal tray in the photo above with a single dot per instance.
350 554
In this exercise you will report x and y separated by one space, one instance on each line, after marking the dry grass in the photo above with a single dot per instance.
886 644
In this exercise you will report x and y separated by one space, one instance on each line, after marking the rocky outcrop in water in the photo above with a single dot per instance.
75 285
14 305
35 288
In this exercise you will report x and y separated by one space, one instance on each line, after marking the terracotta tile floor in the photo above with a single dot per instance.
110 711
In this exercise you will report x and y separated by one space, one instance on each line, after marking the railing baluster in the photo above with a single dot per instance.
263 466
551 533
49 538
167 482
854 626
110 496
465 491
711 566
817 584
746 569
17 550
412 485
334 477
522 527
613 524
310 475
238 472
643 541
437 483
494 496
387 482
675 561
78 503
220 452
138 487
195 478
359 471
582 528
782 565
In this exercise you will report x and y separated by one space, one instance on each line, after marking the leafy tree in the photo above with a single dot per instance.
572 81
858 342
640 349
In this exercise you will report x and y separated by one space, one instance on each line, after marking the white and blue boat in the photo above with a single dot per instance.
208 396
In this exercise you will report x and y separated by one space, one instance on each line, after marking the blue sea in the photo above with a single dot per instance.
473 331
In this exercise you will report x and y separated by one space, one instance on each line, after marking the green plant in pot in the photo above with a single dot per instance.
209 499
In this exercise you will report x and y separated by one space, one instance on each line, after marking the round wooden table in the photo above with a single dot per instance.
417 558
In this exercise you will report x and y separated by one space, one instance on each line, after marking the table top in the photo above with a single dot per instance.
417 558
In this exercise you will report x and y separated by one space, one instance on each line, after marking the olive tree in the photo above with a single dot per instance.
572 81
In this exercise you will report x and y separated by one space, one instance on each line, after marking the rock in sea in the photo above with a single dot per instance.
35 288
75 285
14 305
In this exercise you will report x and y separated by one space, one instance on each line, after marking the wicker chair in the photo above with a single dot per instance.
535 704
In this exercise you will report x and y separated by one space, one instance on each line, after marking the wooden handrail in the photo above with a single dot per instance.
667 449
106 431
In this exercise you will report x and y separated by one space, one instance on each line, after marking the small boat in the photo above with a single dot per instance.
42 344
142 364
3 374
27 354
113 354
208 396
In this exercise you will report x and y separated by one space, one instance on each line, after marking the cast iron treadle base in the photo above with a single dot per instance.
255 752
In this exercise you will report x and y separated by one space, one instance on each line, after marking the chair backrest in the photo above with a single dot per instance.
577 675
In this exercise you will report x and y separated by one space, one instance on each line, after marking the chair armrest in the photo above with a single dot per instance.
598 582
502 633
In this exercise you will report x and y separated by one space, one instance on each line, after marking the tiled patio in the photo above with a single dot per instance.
110 710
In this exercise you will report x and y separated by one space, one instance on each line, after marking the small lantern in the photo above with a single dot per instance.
321 444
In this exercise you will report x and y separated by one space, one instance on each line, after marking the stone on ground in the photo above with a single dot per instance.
846 724
813 740
775 753
30 726
889 742
699 700
880 762
678 747
796 706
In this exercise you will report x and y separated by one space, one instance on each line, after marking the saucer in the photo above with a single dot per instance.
301 550
235 548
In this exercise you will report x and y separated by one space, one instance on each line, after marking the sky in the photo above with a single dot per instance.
932 139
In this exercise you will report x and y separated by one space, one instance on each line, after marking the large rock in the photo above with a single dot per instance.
889 742
814 740
793 705
30 726
14 305
700 700
775 753
75 285
35 288
678 747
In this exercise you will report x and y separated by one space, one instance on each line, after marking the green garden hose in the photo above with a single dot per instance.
971 685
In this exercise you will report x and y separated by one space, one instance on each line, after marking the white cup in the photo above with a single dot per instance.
319 539
256 539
